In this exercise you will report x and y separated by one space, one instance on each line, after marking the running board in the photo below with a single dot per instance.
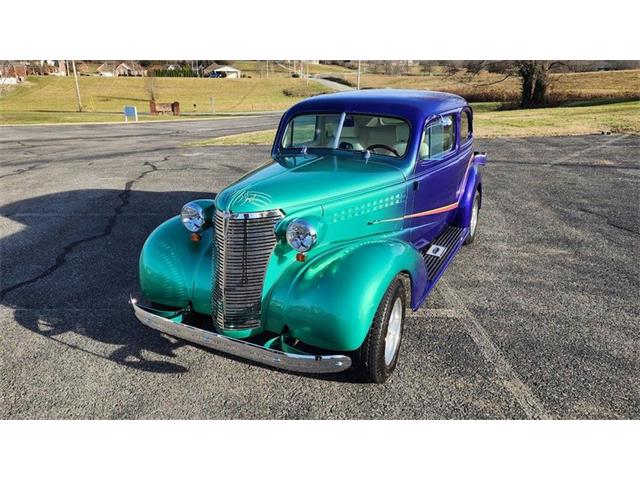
439 253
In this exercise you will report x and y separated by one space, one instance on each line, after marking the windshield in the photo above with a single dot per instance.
380 135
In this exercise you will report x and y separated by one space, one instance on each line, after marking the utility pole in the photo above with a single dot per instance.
75 74
358 74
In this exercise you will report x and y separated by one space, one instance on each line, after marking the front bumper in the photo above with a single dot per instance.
286 361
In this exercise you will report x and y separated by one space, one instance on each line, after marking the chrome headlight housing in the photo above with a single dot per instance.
301 235
192 216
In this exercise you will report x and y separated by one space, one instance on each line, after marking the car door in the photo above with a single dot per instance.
438 174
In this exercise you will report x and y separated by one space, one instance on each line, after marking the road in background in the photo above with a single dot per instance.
537 319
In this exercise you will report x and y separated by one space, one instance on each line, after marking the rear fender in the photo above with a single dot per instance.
473 183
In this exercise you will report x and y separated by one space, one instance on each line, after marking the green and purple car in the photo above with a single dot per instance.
309 263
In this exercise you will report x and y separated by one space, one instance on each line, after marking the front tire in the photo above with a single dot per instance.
473 223
378 355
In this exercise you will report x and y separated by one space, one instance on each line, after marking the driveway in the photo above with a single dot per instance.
537 319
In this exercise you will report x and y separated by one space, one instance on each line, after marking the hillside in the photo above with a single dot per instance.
52 99
49 98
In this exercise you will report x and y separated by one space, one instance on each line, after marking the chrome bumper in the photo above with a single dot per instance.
257 353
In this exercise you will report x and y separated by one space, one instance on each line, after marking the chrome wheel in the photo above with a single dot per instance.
392 339
474 218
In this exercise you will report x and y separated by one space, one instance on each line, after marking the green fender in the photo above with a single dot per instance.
330 302
175 270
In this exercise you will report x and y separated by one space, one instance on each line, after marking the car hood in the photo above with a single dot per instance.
295 182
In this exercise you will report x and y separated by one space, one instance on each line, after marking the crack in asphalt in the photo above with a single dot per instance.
234 168
590 148
21 171
81 156
609 222
70 247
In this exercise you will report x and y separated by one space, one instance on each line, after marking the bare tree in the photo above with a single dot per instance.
151 87
534 77
425 66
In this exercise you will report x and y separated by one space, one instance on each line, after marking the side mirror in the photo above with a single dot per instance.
480 158
441 122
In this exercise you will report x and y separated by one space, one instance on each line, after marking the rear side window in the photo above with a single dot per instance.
438 139
465 126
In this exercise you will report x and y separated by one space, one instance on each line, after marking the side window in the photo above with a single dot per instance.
300 131
465 126
438 139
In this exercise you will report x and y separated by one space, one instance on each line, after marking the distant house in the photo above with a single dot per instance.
56 67
172 67
12 73
46 67
225 71
121 69
210 69
83 68
107 69
15 70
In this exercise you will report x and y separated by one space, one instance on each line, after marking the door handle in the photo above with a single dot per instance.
415 185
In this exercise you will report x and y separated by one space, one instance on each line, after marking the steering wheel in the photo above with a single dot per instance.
386 147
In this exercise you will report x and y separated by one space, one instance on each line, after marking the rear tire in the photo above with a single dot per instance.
473 224
377 357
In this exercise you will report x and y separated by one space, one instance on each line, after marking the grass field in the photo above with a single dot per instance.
53 99
622 84
621 117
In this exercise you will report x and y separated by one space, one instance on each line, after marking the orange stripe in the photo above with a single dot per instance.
446 208
435 211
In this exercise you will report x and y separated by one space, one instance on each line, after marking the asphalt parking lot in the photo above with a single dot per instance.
537 319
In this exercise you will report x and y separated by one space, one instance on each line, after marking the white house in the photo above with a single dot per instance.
225 70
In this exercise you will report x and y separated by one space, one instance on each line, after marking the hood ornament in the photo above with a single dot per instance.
258 199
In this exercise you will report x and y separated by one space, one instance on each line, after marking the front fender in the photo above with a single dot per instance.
330 302
174 270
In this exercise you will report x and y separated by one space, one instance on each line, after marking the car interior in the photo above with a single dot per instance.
381 135
360 132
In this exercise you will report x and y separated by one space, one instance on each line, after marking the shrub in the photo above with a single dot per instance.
299 91
340 80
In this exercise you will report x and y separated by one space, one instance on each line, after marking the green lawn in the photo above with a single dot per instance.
53 99
620 117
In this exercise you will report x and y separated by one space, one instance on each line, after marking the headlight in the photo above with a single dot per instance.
192 216
301 235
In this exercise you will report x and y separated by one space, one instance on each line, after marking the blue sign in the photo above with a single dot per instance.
130 111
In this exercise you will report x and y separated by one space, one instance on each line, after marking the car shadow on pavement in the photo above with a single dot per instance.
71 263
68 270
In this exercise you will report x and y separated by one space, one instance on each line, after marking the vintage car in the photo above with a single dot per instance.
309 262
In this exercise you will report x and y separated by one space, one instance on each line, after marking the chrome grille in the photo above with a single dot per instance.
244 243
